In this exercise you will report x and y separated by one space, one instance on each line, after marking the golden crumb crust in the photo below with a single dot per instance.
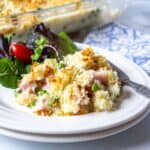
10 7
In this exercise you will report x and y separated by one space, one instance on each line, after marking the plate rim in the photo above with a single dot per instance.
89 137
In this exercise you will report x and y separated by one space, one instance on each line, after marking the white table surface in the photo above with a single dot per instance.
136 138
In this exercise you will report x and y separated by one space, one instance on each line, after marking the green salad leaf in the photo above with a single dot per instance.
10 72
47 44
40 44
66 44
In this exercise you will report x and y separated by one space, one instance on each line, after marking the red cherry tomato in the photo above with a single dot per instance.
21 52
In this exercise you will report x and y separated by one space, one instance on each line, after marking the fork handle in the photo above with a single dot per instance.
140 88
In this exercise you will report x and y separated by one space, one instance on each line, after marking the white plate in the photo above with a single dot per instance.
73 138
132 105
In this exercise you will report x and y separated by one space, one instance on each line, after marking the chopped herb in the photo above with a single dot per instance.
60 65
39 8
42 92
52 100
32 104
95 87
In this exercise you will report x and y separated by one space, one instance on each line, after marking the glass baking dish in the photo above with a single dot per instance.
69 17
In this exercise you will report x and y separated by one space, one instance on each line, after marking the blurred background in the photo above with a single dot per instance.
137 15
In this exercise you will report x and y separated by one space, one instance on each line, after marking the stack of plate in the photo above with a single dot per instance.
132 110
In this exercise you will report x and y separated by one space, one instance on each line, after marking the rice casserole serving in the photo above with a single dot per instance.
82 82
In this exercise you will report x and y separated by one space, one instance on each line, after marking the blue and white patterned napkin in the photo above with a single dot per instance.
124 40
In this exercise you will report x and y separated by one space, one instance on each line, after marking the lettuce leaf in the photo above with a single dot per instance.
10 72
66 44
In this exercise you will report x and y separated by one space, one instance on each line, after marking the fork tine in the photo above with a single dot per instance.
113 66
123 77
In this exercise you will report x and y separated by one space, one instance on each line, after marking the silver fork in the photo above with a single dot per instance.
126 81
